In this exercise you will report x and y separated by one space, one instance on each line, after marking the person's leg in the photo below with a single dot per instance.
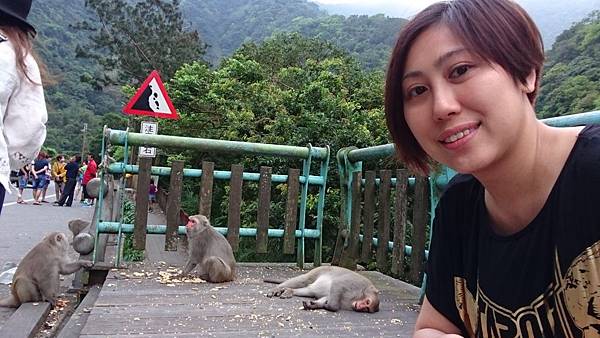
57 190
2 193
67 194
36 193
70 191
46 183
22 185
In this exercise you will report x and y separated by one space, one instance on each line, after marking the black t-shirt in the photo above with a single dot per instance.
39 164
72 169
543 281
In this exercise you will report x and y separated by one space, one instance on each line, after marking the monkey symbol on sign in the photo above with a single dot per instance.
148 127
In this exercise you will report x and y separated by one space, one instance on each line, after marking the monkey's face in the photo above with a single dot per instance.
196 224
369 303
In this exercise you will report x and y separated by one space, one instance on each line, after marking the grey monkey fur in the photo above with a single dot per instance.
209 251
37 277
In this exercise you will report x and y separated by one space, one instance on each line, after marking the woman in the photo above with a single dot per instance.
58 175
515 249
39 171
22 106
23 179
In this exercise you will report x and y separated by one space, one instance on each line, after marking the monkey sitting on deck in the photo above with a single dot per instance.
334 287
37 276
209 250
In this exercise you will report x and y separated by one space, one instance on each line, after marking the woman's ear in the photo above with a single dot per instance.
529 85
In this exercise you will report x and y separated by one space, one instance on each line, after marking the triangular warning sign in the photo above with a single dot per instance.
151 100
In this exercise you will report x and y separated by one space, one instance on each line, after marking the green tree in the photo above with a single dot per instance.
288 90
571 83
130 40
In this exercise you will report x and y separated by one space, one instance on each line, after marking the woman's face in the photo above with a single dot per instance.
464 111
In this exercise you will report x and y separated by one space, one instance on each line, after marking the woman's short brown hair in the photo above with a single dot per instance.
499 31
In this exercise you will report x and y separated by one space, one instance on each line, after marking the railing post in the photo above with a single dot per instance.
420 213
141 204
400 208
345 169
291 211
383 223
206 190
264 204
235 203
173 205
320 210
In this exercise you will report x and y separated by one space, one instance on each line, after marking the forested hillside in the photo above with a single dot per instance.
71 101
225 25
571 82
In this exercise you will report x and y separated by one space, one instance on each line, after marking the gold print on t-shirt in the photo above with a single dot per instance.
465 303
582 291
569 307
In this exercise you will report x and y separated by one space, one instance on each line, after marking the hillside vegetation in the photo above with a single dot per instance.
570 83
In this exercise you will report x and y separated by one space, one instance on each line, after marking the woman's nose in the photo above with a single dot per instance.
445 103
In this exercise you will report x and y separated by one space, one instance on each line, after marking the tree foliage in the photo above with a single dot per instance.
130 40
288 90
571 83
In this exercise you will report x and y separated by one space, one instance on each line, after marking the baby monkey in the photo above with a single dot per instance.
209 250
37 277
334 287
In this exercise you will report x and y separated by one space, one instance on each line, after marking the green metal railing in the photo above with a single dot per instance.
309 155
350 160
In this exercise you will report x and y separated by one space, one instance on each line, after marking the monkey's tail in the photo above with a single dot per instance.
273 280
9 301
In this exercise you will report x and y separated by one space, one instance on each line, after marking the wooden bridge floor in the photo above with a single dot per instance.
134 301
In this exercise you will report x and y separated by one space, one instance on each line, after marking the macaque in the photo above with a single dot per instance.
335 288
78 225
83 241
209 250
37 276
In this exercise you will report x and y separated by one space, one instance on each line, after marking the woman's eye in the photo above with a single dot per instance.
459 71
416 91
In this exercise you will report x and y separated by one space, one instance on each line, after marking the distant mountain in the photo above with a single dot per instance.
552 17
225 25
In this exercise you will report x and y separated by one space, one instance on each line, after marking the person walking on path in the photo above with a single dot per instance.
58 173
48 179
23 176
79 189
39 169
22 106
90 172
72 170
152 195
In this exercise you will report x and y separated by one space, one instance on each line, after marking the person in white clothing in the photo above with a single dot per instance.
23 112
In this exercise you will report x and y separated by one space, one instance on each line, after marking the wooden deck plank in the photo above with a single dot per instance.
26 320
72 328
129 305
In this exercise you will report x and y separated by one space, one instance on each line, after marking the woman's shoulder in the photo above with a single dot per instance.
584 156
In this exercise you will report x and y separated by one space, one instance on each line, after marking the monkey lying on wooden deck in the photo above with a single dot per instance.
37 276
209 250
334 287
